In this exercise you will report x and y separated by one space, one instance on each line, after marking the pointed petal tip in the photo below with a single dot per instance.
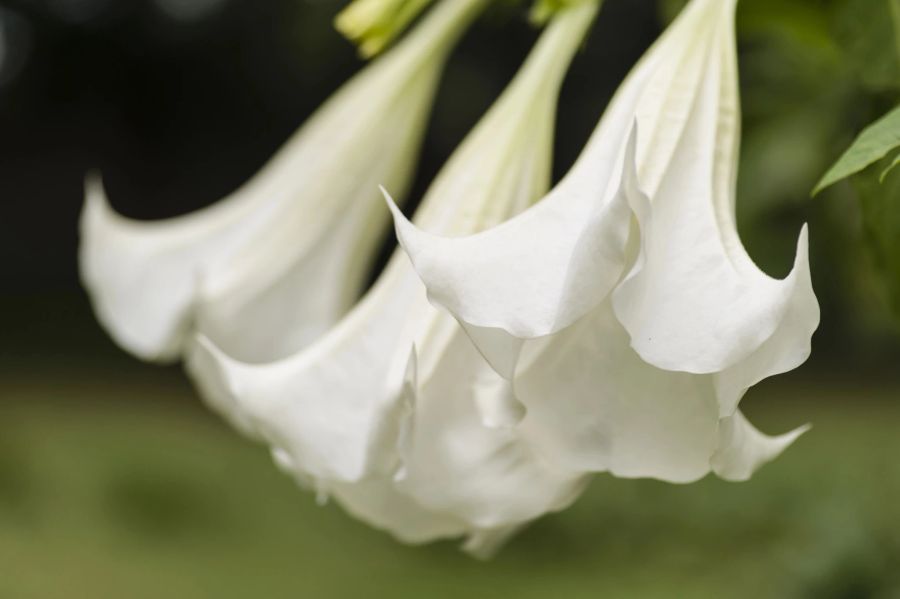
208 361
789 437
404 228
221 358
803 240
801 265
97 213
104 272
391 204
282 460
750 449
483 545
96 205
801 255
93 183
204 355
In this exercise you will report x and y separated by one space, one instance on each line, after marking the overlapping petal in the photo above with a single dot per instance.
387 403
603 409
242 270
599 407
541 271
692 299
492 477
623 308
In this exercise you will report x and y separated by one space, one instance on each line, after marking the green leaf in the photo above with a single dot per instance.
872 145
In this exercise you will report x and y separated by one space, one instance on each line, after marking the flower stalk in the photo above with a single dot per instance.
373 24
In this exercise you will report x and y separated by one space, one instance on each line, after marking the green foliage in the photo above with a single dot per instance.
873 144
895 16
880 200
130 488
890 167
866 33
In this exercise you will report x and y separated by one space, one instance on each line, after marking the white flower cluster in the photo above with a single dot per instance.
527 339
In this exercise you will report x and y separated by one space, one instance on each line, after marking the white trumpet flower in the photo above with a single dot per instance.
630 341
385 411
271 267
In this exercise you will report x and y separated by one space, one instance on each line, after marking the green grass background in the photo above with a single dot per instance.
118 483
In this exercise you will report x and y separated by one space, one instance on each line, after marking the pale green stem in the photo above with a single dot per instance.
374 24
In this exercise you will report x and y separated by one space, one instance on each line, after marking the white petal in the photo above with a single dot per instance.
504 290
496 399
376 502
483 544
242 269
207 367
340 413
509 278
594 405
743 449
490 477
333 408
141 280
695 301
541 271
326 407
296 281
789 345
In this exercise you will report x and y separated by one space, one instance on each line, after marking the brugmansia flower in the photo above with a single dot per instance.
387 411
623 307
269 268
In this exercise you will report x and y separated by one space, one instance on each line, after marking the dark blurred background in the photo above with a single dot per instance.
115 482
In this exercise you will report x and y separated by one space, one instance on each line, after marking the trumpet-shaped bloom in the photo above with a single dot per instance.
386 412
623 307
269 268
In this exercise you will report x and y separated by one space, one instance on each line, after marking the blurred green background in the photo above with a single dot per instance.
116 482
